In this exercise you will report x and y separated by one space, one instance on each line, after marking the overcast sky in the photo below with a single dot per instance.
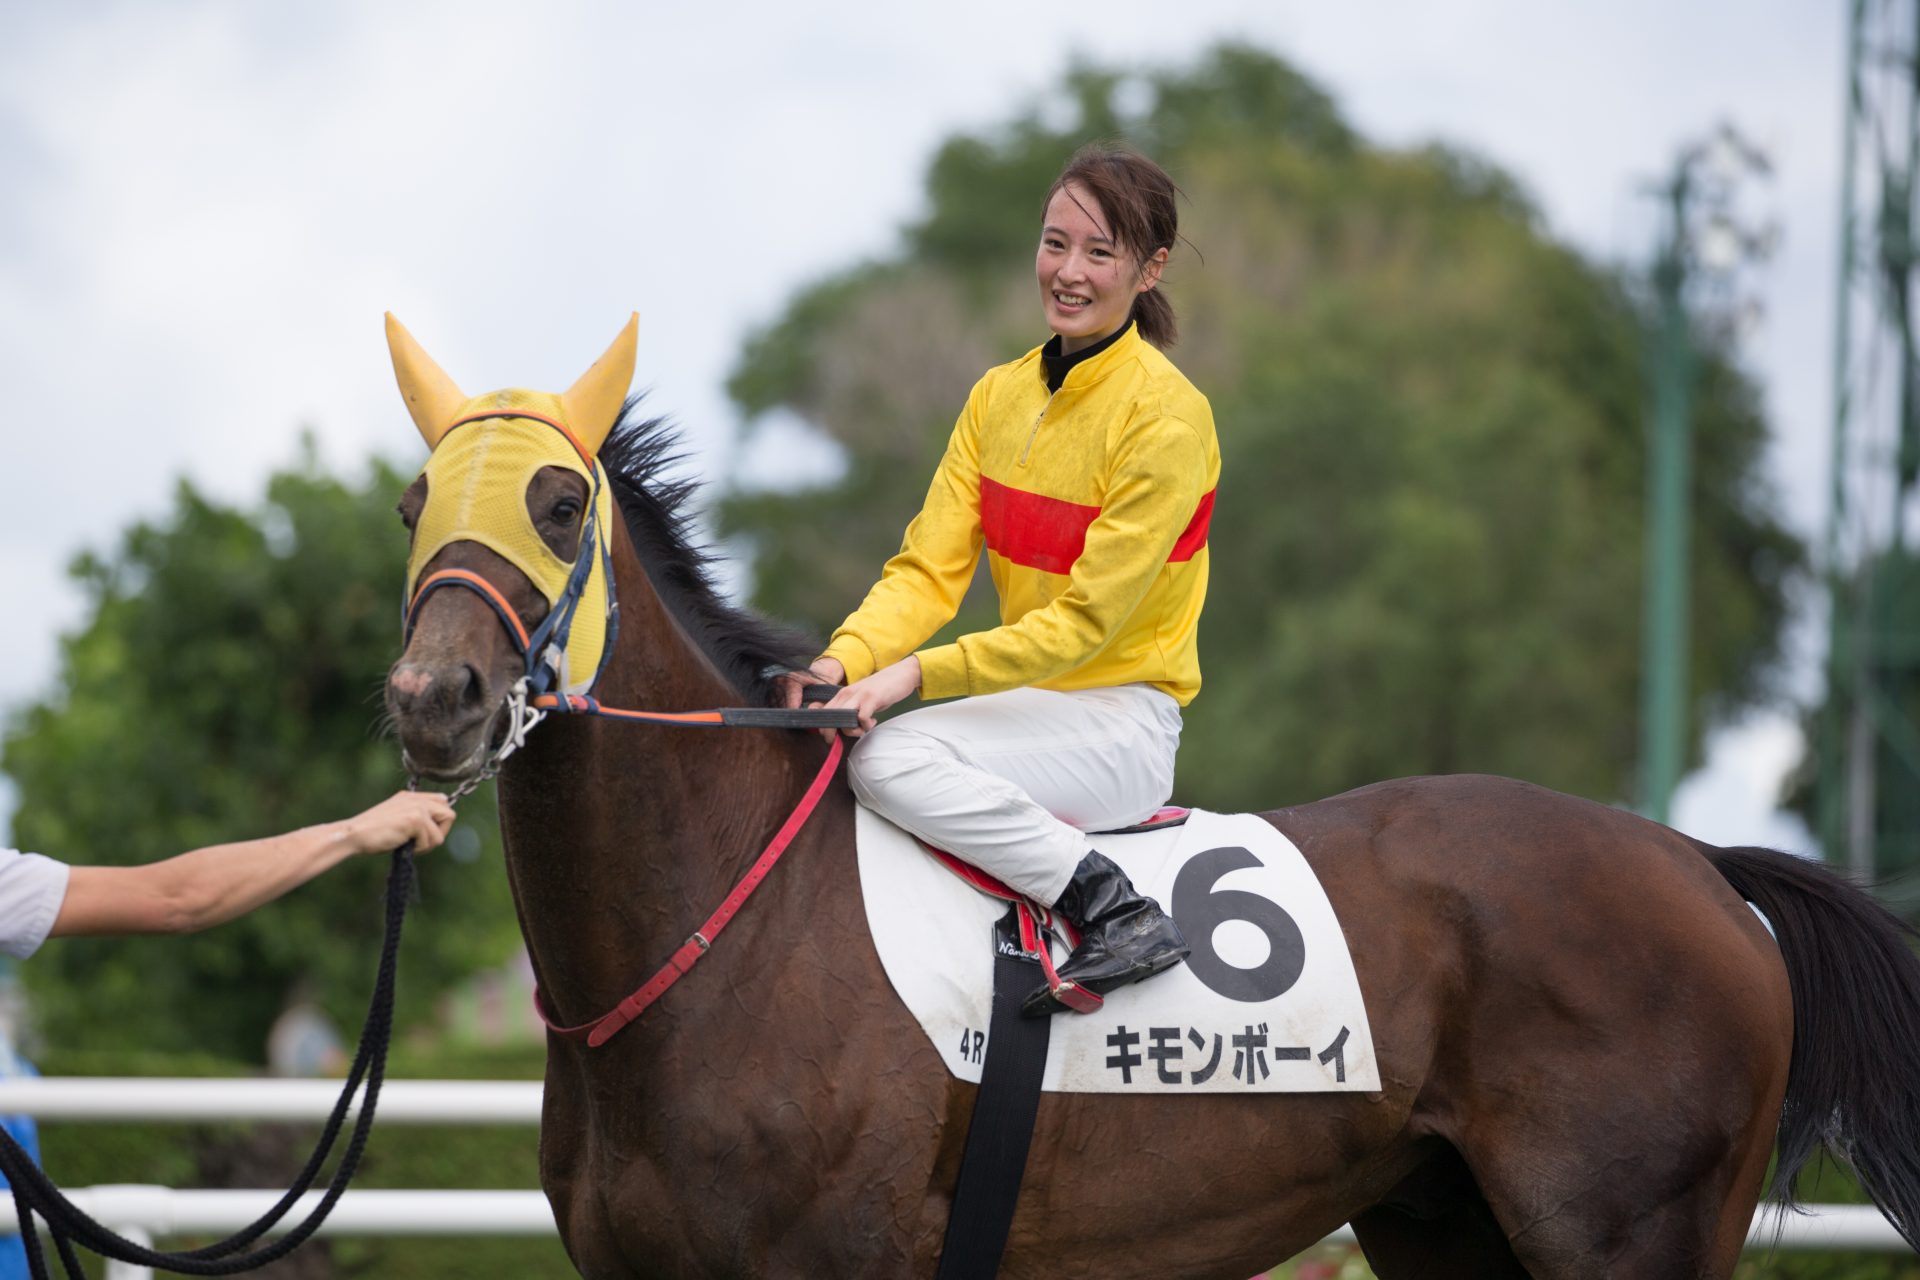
209 205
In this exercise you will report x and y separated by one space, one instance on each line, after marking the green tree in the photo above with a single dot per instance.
225 685
1427 546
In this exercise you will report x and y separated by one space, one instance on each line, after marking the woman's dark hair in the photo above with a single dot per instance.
1136 197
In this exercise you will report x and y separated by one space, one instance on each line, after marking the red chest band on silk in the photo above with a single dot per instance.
1048 534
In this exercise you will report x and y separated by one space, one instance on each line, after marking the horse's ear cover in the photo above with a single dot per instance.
432 397
594 401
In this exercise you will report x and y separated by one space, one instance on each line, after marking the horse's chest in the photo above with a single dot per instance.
666 1195
617 1215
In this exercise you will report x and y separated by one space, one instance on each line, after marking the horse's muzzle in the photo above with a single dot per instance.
447 719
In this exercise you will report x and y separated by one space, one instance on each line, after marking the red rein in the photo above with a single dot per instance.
603 1028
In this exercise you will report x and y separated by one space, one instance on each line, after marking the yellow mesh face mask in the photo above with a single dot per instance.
477 482
486 452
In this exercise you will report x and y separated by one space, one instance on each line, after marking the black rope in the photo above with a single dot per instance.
35 1193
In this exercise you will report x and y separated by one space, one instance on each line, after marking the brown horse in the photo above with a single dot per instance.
1585 1037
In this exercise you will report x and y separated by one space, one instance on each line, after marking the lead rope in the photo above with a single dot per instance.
68 1224
34 1192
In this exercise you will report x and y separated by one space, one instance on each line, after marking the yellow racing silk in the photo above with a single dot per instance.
1092 504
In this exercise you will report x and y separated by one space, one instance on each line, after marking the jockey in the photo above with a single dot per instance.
1087 468
41 898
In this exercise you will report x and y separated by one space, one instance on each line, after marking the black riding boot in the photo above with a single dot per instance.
1124 937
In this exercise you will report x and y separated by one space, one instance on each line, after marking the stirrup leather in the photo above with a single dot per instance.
1036 923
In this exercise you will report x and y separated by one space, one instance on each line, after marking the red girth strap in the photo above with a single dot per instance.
602 1029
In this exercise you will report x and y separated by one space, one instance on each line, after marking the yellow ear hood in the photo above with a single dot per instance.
432 397
594 402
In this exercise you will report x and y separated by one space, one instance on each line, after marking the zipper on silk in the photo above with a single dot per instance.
1035 431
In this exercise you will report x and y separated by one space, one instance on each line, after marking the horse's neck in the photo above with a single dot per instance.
622 838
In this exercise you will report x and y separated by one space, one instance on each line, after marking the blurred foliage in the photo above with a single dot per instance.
225 685
1427 548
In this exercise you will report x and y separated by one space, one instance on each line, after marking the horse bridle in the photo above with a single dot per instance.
541 690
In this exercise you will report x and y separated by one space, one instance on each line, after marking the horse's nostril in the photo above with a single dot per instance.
416 689
473 690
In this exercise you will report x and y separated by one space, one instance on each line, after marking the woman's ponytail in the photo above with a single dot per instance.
1154 314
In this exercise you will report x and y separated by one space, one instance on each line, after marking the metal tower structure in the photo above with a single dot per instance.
1706 238
1868 806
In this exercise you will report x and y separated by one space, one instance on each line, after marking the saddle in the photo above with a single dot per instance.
1035 922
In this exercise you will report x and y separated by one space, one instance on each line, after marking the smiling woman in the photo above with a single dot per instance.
1086 469
1090 283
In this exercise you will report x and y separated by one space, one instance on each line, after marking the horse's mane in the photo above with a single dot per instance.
659 511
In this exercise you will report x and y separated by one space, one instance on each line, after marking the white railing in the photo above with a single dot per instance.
163 1211
143 1212
116 1098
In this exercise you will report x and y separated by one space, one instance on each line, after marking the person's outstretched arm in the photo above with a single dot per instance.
205 887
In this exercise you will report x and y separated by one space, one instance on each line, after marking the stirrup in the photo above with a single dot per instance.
1069 993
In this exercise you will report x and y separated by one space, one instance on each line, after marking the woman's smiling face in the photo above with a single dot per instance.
1087 280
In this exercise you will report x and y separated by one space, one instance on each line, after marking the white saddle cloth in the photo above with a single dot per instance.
1267 1003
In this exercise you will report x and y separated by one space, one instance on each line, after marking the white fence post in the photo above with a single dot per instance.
128 1270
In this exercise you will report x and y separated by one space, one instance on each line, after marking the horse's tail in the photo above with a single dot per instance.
1853 1082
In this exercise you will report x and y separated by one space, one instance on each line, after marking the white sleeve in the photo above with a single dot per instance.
31 891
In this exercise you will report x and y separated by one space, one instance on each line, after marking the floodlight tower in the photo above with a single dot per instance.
1706 237
1869 749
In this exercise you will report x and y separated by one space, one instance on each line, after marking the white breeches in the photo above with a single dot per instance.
1012 782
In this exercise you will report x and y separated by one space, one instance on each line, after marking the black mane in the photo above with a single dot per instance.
659 513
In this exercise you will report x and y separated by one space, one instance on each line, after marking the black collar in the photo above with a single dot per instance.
1055 367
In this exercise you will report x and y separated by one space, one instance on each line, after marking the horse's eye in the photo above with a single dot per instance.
565 511
412 501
